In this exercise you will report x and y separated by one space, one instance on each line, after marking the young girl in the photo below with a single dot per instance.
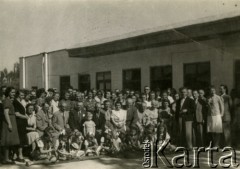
91 145
89 125
134 139
106 145
163 137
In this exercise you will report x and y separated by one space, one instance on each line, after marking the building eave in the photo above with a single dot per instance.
185 34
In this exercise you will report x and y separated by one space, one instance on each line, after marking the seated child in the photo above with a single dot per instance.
117 143
64 145
44 151
91 145
78 138
149 133
89 125
106 145
163 137
134 139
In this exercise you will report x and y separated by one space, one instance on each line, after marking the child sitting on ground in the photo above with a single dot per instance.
106 145
163 137
89 125
77 137
91 145
149 133
44 152
134 139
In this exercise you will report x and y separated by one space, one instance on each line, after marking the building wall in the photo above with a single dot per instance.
221 53
34 75
61 65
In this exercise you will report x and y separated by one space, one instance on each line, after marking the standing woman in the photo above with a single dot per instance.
226 119
21 118
9 132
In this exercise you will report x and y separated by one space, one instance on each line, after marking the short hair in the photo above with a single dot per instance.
28 105
166 100
8 91
18 93
118 102
183 88
225 87
106 101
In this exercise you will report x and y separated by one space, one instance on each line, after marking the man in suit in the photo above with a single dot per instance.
198 120
132 114
185 109
43 120
61 117
77 117
99 120
147 91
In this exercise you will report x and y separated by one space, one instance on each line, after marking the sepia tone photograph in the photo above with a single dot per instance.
119 84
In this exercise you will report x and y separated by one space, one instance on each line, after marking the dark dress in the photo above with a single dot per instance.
21 123
9 138
1 117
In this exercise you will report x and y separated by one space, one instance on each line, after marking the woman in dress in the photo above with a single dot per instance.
118 118
9 132
32 134
21 118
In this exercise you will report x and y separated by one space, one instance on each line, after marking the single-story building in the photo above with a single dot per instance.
193 55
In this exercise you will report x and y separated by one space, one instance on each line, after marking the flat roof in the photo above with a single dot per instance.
165 37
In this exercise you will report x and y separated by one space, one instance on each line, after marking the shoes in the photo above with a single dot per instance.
28 163
20 160
8 162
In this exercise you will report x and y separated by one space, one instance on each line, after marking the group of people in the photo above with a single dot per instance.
58 126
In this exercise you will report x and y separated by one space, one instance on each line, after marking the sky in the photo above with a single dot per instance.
29 27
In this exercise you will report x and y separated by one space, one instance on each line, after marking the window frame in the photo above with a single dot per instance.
62 90
88 83
104 80
151 76
140 80
197 74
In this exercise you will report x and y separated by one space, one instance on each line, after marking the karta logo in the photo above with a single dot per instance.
154 152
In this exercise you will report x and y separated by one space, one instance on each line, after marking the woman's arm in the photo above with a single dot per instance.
21 116
6 114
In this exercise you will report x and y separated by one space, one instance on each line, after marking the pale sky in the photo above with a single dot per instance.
29 27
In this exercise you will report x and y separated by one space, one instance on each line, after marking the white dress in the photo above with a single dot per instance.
32 135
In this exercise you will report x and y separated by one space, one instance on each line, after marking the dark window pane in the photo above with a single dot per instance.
84 82
64 83
197 75
103 80
161 77
132 79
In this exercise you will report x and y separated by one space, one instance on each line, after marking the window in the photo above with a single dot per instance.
103 80
132 79
83 82
64 83
161 77
237 76
197 75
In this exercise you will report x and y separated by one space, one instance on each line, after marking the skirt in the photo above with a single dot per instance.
32 137
214 124
10 138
